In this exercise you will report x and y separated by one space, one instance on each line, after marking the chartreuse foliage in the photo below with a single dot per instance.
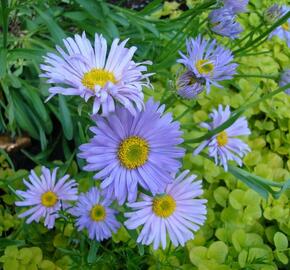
243 230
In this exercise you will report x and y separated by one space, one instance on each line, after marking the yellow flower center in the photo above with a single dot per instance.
48 199
133 152
163 206
98 213
285 26
204 66
97 76
222 138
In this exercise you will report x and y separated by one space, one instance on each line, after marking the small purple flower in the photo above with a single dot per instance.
223 22
283 31
128 150
177 213
209 61
93 211
88 71
273 13
224 146
189 86
46 195
237 6
285 79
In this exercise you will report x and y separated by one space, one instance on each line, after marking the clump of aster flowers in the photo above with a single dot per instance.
135 149
226 145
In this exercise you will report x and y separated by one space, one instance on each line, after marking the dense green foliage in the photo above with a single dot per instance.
243 229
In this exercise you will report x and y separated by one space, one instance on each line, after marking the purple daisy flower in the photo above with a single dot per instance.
209 61
223 22
283 31
87 71
224 146
128 150
94 213
46 195
237 6
189 86
177 213
285 79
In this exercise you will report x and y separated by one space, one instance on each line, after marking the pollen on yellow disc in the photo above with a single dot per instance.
164 206
222 138
97 76
285 26
48 199
98 213
133 152
204 66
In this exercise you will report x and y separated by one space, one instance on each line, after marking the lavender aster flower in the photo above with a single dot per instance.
224 146
209 61
128 150
189 86
237 6
177 212
285 79
45 195
223 22
88 72
283 31
93 212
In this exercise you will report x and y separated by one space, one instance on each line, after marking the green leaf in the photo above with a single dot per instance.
3 62
197 255
24 53
65 118
32 95
280 241
218 251
54 29
21 111
262 186
8 242
94 246
92 7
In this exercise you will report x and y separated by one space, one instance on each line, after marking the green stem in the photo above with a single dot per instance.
4 4
263 35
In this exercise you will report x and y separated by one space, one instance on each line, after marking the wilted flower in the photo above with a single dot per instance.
237 6
177 213
94 213
129 150
273 13
87 71
285 79
224 146
208 61
189 86
223 22
45 195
